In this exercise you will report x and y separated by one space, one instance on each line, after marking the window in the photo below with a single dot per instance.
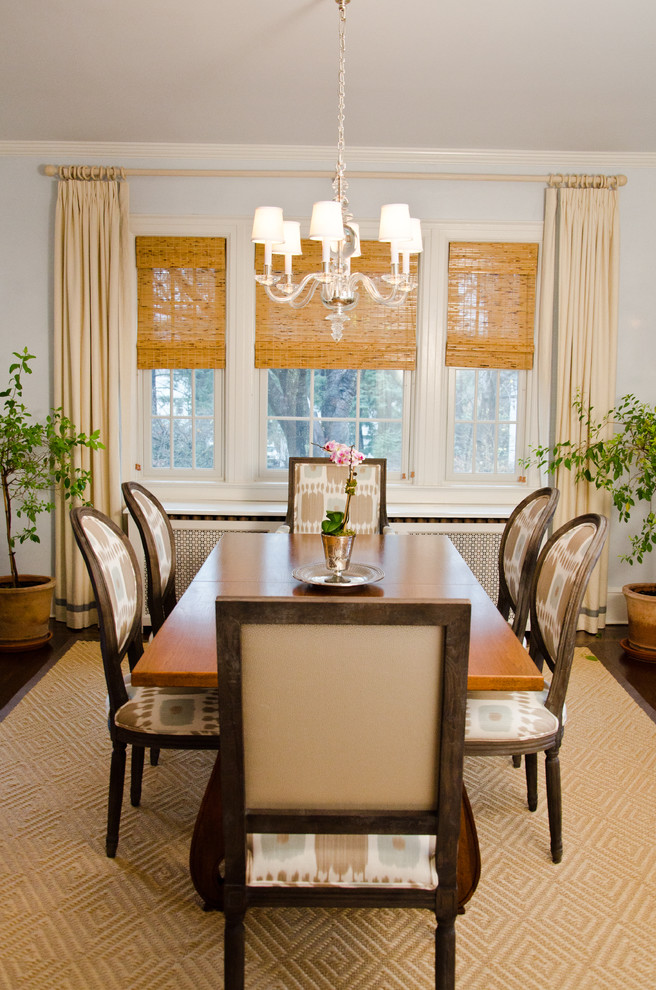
489 353
362 407
355 391
183 416
208 433
181 351
487 436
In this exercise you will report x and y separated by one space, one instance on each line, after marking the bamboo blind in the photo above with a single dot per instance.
375 336
491 305
181 310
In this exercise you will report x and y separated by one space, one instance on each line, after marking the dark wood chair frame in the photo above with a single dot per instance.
560 667
505 602
161 599
291 487
112 659
442 821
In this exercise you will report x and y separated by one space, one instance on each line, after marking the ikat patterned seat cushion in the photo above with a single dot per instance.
341 861
170 711
509 716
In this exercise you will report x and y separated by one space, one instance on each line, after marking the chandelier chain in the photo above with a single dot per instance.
340 184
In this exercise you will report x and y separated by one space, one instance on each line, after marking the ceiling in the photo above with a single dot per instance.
569 75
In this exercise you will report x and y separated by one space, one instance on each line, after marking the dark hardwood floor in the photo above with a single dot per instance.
19 670
638 677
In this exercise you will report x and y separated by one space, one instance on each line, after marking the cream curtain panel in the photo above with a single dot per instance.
580 276
92 303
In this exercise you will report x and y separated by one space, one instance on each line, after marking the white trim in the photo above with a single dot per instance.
616 608
547 160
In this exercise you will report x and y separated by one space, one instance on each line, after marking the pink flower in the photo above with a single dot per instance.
343 454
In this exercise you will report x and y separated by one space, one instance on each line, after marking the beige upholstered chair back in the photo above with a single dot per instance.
316 485
341 705
341 716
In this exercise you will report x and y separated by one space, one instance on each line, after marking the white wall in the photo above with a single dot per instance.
27 201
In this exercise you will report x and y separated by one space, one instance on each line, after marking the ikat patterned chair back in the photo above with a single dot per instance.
518 553
114 571
354 710
316 485
158 542
561 577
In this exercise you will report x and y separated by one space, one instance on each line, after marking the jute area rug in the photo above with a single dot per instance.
70 919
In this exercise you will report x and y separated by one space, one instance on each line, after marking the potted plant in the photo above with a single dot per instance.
619 456
336 537
35 458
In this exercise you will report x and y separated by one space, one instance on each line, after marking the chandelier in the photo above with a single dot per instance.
333 225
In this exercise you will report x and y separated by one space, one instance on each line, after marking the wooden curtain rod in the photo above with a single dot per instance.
555 179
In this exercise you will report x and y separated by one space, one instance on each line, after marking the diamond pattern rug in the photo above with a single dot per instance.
71 919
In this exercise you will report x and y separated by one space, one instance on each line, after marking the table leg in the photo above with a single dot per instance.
206 853
469 853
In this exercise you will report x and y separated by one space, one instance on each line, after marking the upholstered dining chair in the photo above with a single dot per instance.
158 543
317 484
518 553
346 792
163 718
530 722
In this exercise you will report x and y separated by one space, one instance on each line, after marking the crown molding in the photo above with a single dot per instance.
295 156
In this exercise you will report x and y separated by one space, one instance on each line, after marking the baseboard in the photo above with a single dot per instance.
616 608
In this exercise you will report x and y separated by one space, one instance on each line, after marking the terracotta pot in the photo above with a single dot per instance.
25 612
641 611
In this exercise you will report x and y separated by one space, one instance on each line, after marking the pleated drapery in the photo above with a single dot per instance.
92 302
580 277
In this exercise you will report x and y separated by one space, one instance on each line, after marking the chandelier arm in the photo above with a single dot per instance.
291 297
396 297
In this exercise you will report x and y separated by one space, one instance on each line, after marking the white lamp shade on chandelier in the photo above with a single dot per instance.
333 225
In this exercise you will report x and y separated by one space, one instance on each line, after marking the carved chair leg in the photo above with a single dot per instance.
554 803
531 763
136 775
234 949
445 955
116 780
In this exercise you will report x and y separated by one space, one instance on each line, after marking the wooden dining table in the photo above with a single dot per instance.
416 567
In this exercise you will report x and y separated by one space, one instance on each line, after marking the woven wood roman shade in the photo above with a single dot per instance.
491 305
375 336
181 302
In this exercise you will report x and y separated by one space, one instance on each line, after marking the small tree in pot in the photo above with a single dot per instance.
623 464
34 458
